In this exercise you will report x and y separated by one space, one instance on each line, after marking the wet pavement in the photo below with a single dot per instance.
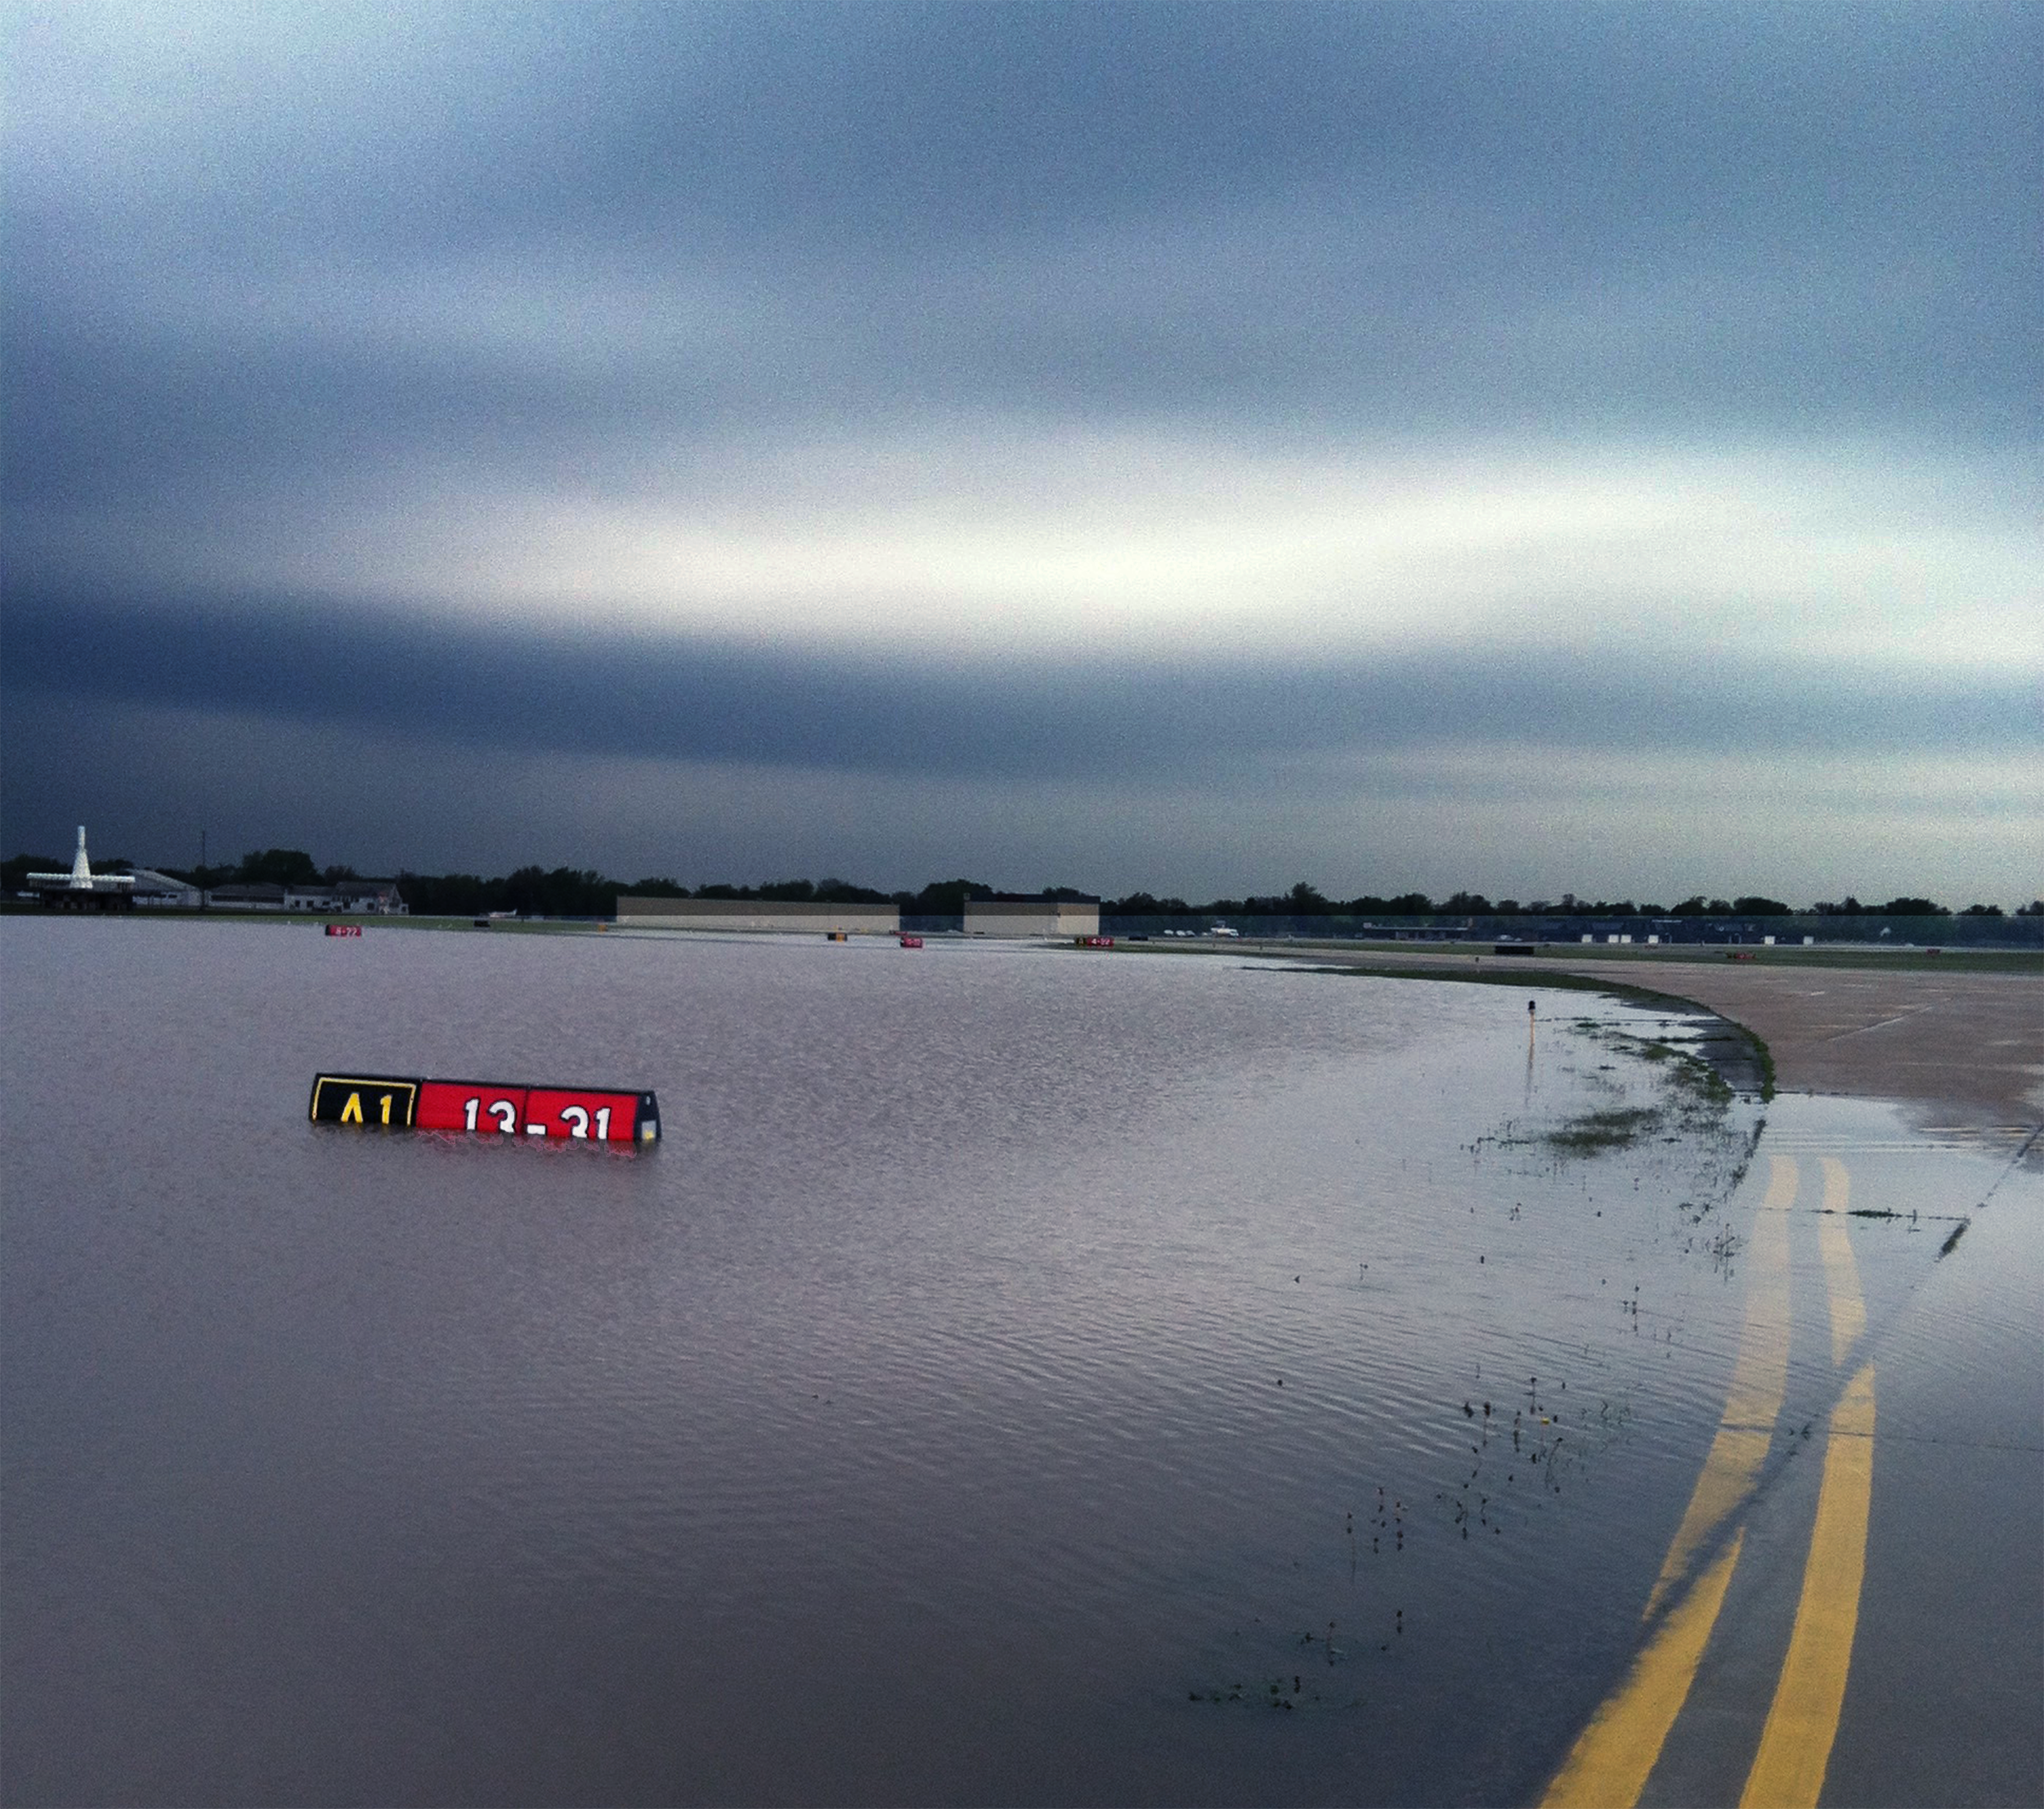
1952 1046
1862 1621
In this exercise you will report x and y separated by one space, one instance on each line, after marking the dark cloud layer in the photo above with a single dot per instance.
676 698
290 289
1698 218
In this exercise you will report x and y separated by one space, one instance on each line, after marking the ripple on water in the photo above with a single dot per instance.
1020 1339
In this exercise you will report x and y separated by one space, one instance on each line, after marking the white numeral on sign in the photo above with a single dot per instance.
604 1124
470 1110
506 1115
576 1119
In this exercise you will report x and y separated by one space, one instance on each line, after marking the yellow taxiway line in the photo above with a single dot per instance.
1841 1274
1796 1746
1611 1760
1759 1379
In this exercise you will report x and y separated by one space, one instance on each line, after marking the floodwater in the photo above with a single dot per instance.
1019 1375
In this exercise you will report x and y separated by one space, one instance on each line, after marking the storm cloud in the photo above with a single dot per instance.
1347 404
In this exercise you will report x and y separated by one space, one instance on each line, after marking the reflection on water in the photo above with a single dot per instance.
1019 1376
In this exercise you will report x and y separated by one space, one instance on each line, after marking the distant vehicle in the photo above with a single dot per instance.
1223 929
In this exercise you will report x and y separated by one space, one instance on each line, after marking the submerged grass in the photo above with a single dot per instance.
1692 1095
1609 1129
1735 1056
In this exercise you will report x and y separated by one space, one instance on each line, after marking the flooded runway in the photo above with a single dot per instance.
1018 1376
1862 1628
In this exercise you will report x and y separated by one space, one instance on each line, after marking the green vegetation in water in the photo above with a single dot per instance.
1609 1129
1694 1096
1287 1694
1765 1057
1733 1042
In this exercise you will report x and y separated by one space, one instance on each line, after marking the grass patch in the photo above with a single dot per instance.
1733 1053
1611 1129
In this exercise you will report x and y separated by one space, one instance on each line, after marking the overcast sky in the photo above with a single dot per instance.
1524 447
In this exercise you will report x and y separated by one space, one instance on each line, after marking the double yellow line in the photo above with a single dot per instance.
1611 1760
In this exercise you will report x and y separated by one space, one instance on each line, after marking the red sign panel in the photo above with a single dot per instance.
600 1117
569 1113
470 1105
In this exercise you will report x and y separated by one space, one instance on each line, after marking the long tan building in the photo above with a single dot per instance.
1032 917
756 913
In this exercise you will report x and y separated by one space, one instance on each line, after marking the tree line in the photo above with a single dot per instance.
572 891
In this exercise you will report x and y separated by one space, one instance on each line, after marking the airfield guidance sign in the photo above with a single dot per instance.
570 1114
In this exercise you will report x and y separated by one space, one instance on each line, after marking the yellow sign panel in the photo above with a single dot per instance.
364 1099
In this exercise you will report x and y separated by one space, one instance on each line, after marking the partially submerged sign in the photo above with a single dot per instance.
388 1101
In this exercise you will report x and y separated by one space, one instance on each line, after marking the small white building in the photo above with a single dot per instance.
755 914
155 891
352 897
1032 917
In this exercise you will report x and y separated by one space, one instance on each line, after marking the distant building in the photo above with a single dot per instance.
81 889
1032 917
156 892
352 897
757 913
247 898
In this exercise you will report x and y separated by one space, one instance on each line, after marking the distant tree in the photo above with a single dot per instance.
943 897
1409 904
16 868
1652 910
1070 895
843 892
2035 908
1912 907
1754 905
1467 904
334 875
277 866
446 895
1305 900
789 891
564 892
1721 907
1505 907
1369 905
1981 910
659 888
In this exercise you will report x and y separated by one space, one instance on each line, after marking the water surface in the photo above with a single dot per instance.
1019 1375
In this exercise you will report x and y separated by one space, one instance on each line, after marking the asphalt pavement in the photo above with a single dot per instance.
1852 1609
1859 1618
